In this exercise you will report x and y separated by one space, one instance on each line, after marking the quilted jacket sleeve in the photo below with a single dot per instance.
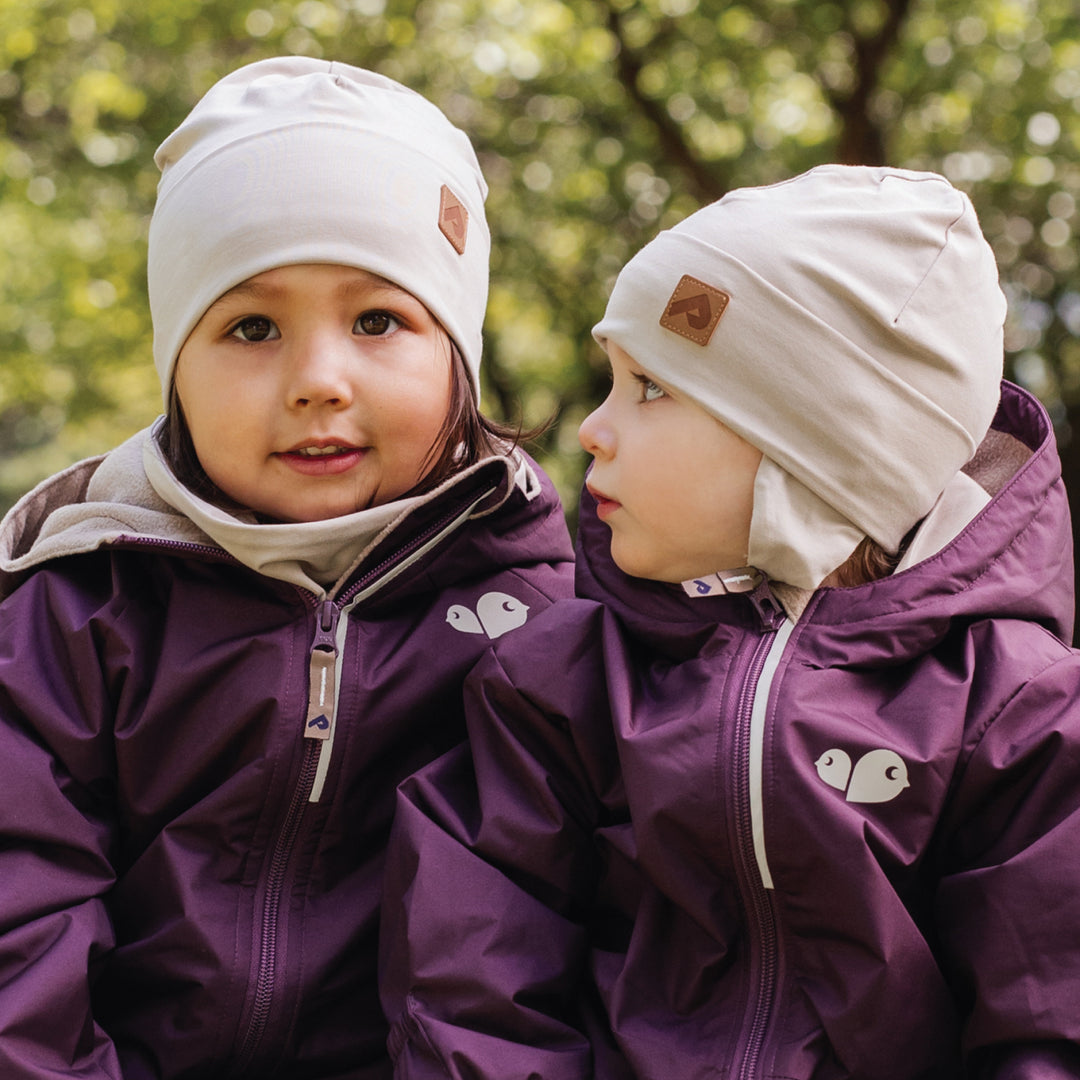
54 840
484 940
1008 906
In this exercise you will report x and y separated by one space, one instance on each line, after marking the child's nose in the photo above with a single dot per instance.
320 373
596 435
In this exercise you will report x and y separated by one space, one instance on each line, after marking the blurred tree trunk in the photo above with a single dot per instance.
862 141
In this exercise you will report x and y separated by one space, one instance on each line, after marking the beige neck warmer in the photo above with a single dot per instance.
311 554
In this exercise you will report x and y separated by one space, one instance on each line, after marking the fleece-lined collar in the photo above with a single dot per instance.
131 492
311 554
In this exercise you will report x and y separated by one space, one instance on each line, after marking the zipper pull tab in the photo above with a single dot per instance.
768 608
322 673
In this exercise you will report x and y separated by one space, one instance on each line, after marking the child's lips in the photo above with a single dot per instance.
325 458
605 506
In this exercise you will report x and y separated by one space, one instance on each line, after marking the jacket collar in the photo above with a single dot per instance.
1014 554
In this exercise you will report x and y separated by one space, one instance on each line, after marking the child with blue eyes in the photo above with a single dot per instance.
804 799
223 644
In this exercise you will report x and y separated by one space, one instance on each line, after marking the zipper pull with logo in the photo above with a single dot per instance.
322 673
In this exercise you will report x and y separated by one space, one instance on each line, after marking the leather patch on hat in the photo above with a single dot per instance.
453 219
694 309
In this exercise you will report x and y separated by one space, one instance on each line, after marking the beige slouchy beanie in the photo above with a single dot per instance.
848 323
294 160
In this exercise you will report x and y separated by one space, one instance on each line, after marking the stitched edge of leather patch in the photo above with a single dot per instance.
694 310
453 219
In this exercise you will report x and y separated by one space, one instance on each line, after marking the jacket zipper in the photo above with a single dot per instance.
326 668
749 826
318 722
324 660
275 881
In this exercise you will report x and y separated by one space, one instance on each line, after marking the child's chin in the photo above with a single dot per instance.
306 515
633 565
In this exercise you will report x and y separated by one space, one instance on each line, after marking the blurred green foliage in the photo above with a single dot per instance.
598 122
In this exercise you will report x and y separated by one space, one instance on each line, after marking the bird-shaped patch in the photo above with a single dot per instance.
496 612
878 776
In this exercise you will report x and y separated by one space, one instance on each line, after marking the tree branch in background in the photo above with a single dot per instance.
702 182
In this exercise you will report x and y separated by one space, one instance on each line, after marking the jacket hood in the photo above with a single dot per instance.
93 502
1014 559
120 498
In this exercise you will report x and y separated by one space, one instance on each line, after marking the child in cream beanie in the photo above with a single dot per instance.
847 323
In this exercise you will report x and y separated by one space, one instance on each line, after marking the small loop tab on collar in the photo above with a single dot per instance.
741 580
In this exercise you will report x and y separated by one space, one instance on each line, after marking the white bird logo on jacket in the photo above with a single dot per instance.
878 776
496 612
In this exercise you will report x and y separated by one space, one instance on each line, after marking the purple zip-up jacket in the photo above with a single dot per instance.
847 846
173 902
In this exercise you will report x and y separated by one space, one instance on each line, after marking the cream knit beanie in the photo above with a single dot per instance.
847 323
295 160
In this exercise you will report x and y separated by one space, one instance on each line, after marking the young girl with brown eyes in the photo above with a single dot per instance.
224 643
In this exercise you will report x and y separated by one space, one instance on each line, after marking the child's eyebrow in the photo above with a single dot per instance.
368 284
257 290
246 290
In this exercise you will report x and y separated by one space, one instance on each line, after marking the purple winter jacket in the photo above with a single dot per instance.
847 846
173 904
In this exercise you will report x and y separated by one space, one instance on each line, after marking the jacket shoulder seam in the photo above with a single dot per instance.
1021 687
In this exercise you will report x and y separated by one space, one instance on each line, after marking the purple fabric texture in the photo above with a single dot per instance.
173 904
877 875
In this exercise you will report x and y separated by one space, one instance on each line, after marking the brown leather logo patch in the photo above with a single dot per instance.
453 219
694 309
